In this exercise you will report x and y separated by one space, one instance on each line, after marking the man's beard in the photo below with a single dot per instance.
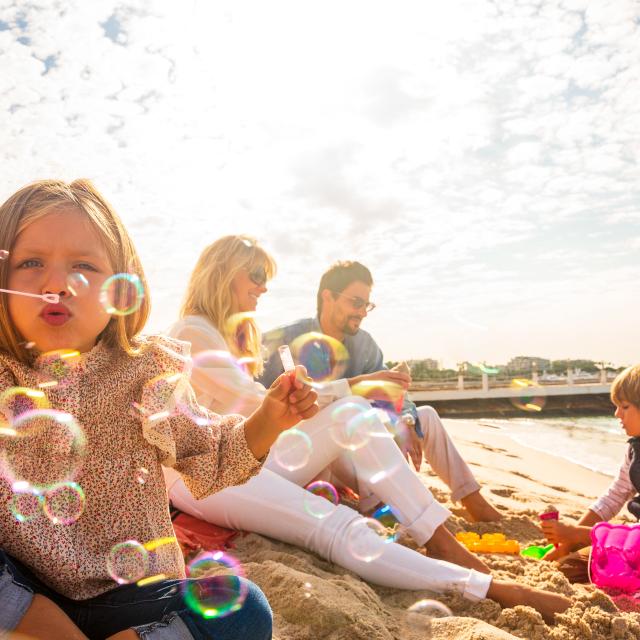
348 329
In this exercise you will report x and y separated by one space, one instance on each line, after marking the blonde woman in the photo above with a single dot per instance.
229 278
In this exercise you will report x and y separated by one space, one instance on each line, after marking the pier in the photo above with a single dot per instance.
508 397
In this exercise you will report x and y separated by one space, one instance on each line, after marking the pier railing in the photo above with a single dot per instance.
499 387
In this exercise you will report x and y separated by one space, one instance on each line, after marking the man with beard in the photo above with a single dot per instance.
343 301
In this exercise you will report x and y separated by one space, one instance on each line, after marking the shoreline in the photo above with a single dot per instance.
499 457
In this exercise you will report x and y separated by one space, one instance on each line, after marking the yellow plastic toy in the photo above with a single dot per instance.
489 543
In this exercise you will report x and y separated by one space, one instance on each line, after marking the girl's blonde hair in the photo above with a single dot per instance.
209 293
40 198
626 386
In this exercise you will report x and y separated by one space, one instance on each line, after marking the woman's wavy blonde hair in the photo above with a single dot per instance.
40 198
209 293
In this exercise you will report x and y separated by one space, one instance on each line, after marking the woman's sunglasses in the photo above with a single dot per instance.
258 276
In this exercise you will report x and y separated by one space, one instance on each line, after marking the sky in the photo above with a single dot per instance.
481 158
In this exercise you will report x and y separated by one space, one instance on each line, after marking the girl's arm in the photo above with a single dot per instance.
209 451
619 492
287 402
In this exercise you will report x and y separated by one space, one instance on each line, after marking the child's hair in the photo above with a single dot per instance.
626 386
209 291
37 200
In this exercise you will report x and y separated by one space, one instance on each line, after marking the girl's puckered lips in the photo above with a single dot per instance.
55 314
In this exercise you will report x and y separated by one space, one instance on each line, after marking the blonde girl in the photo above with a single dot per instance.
110 398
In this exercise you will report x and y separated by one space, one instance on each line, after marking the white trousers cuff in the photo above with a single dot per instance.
477 586
424 526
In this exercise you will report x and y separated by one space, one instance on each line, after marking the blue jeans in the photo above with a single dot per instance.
156 611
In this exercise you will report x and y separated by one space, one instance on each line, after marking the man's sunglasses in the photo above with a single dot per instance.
258 276
357 302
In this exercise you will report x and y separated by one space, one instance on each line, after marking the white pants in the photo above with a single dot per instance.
274 503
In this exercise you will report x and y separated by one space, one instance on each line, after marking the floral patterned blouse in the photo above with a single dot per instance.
78 481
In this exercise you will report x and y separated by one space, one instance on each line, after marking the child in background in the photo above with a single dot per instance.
625 394
55 582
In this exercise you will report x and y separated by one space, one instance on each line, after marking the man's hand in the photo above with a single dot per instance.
385 385
384 375
413 447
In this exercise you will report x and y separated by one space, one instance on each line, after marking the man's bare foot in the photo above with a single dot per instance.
443 546
511 594
479 508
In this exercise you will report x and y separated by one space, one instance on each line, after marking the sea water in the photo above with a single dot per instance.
595 442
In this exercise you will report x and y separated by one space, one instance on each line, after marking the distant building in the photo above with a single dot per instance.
526 363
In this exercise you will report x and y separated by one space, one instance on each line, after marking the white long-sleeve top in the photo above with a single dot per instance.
221 385
619 492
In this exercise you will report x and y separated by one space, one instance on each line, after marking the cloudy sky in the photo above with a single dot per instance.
480 157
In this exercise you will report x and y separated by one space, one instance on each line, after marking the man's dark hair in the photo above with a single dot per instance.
340 275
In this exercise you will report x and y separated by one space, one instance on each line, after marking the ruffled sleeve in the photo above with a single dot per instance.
209 451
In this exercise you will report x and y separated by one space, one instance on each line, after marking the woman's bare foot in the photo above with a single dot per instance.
443 546
511 594
479 508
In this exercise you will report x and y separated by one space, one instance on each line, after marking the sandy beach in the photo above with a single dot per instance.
313 599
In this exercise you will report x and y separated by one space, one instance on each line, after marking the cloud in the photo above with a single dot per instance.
451 147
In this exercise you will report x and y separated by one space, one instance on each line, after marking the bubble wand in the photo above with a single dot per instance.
289 367
51 298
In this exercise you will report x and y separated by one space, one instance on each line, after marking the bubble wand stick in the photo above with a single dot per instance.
51 298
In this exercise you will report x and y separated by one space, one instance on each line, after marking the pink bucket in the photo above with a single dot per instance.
615 557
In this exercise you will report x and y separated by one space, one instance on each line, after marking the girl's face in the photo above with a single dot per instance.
44 255
246 287
629 416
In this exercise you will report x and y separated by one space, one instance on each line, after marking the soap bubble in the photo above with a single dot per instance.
64 502
15 401
56 368
122 294
324 357
351 425
292 449
421 613
4 254
26 504
321 500
241 326
77 284
526 398
48 447
204 366
381 391
307 589
385 516
214 596
365 539
127 561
